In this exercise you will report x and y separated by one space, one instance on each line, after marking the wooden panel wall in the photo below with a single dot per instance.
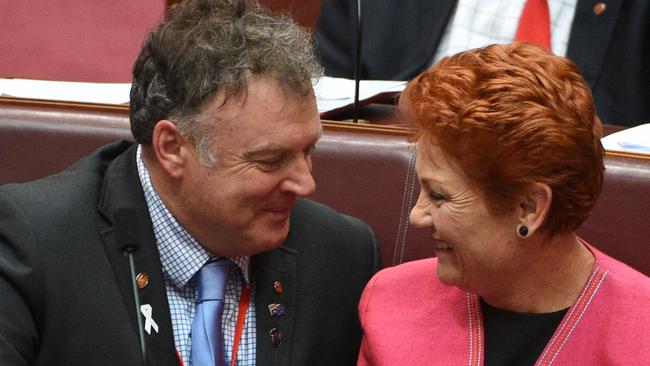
304 12
74 40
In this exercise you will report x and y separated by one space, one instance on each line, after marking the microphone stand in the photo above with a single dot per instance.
357 65
126 237
128 251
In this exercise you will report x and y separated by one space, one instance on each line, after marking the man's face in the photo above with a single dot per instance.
262 143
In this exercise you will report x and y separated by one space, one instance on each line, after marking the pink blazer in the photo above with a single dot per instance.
411 318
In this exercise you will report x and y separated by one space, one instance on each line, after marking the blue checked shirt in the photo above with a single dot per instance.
182 257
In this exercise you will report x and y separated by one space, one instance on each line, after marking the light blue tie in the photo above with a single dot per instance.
207 335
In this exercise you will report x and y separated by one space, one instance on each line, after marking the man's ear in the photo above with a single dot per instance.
170 148
534 207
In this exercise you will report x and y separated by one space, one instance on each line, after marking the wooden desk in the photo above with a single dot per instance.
385 114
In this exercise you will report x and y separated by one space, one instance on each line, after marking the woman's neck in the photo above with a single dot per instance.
549 276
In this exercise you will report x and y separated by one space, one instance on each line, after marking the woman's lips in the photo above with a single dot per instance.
443 248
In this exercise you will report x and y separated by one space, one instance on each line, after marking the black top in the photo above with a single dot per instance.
513 338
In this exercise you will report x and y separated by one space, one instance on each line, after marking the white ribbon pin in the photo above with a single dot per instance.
148 320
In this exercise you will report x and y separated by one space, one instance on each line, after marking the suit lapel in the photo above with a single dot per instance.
590 37
275 273
122 189
433 26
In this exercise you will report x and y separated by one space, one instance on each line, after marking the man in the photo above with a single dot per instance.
225 120
607 40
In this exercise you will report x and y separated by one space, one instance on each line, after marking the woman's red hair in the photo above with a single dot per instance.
513 115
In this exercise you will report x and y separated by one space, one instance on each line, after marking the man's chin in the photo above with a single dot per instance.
278 238
269 239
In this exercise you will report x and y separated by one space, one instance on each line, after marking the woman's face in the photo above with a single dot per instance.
474 247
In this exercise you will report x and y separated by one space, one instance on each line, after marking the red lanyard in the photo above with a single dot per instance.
244 300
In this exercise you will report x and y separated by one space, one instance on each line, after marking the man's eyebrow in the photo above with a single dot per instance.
265 149
271 148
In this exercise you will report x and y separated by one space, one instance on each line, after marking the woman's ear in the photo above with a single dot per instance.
170 148
534 207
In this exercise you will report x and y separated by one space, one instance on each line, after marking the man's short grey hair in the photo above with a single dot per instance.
206 47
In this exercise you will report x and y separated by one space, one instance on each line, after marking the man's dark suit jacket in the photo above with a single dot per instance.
65 290
400 38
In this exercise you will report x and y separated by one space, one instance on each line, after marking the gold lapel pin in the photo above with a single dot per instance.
276 310
142 280
277 286
600 8
276 337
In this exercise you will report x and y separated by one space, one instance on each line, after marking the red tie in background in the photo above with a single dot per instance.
535 24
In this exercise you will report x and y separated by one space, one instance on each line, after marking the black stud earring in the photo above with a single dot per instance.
522 230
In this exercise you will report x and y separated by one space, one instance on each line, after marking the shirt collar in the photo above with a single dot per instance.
180 254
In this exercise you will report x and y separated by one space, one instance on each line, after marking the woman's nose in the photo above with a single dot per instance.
420 215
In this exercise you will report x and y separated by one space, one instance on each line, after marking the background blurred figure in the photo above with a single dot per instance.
210 196
510 164
609 41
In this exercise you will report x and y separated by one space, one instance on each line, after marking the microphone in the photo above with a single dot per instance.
357 65
126 237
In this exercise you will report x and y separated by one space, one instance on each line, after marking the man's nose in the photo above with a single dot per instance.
301 182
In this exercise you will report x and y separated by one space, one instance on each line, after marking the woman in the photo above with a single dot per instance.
510 164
